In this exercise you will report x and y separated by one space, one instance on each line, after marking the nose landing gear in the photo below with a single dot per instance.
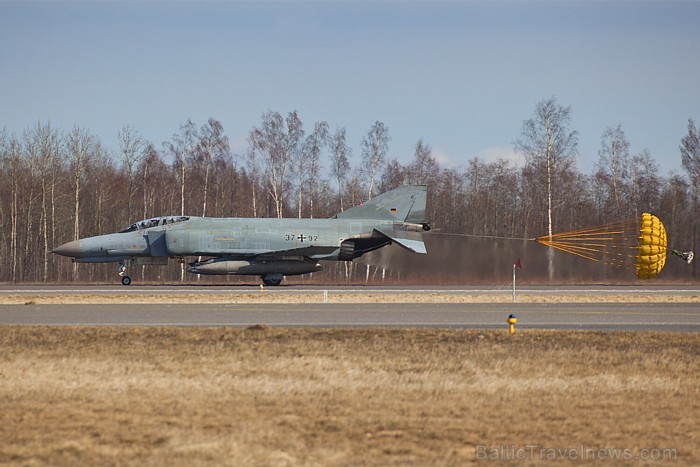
126 280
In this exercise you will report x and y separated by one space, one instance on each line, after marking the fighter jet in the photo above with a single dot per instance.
269 248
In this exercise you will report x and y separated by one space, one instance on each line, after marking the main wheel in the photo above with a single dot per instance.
272 279
126 280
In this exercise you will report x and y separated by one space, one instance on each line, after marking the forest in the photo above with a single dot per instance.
63 184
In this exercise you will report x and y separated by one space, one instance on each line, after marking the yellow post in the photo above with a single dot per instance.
262 287
511 324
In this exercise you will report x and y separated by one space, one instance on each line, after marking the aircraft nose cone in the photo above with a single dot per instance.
68 249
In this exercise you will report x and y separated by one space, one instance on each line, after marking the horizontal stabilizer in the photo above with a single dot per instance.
412 241
416 246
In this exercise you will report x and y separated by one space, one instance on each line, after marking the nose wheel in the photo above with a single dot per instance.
126 280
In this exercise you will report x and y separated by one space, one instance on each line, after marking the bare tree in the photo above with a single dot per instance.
254 173
690 158
80 149
340 161
446 208
645 183
356 186
549 147
277 141
393 177
307 166
43 144
227 183
675 202
53 191
690 154
182 147
102 177
424 169
613 164
375 146
12 168
212 144
131 147
156 183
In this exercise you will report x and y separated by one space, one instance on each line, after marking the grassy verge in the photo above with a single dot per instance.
318 297
336 397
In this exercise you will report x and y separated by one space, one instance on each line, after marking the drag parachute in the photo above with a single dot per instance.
651 247
637 244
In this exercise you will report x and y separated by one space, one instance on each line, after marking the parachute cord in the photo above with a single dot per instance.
482 236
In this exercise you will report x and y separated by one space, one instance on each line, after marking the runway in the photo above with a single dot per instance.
650 290
671 317
639 316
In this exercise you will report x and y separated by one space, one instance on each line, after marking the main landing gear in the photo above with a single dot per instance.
272 279
126 280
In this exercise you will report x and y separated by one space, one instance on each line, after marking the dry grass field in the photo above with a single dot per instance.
266 396
317 297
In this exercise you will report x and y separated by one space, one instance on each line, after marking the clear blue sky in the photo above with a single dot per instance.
461 75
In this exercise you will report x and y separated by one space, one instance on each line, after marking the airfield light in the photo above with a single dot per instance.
511 324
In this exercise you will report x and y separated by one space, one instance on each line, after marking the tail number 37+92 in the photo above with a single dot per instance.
301 238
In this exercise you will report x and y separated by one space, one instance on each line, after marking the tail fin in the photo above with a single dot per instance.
403 204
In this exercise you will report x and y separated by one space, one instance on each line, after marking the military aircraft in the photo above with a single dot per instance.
269 248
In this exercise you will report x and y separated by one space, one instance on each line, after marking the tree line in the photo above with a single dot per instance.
59 185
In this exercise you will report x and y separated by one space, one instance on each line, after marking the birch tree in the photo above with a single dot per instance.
645 184
253 164
613 166
549 147
131 147
212 144
101 178
43 146
308 166
181 148
375 147
340 162
12 168
277 140
157 183
80 148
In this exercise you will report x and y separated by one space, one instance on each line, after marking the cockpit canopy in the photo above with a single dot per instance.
154 222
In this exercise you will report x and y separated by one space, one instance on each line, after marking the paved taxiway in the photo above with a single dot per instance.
675 317
656 317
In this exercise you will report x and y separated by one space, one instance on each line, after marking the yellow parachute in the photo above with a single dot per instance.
651 247
641 242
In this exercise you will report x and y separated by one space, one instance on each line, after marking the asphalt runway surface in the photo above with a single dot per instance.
671 317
